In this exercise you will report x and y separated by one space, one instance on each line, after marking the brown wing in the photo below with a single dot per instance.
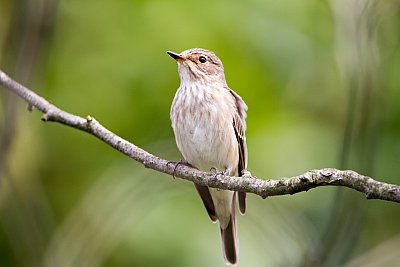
239 124
207 201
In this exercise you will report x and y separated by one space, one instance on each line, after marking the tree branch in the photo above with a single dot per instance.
264 188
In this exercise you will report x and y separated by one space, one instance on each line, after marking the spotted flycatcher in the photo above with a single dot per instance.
209 122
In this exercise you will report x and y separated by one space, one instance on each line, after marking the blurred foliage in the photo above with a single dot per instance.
321 79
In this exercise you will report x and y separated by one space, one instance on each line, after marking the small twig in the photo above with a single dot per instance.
264 188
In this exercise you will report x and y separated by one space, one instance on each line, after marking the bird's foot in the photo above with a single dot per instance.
224 173
246 173
176 164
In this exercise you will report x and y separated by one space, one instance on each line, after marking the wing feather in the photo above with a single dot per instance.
239 125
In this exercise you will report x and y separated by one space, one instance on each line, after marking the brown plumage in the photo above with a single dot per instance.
208 119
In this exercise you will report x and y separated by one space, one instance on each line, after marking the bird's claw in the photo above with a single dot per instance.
246 173
215 173
181 162
222 173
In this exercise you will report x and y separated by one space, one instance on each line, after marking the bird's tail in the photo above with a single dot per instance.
229 238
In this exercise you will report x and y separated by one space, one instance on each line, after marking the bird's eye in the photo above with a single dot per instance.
202 59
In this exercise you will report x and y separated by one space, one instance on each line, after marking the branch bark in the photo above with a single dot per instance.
371 188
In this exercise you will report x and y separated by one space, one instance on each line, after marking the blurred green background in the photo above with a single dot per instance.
321 79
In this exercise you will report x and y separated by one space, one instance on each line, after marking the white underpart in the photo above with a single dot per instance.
206 136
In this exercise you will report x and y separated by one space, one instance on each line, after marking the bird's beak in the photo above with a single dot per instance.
175 55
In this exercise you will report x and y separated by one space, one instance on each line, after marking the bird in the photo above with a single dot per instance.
209 123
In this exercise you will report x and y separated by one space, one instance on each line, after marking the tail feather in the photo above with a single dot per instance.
229 238
242 202
229 244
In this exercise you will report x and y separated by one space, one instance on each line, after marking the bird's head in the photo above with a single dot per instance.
199 65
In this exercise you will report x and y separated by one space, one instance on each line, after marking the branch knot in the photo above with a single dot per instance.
48 115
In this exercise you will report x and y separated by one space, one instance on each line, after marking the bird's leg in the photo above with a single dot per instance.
181 162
